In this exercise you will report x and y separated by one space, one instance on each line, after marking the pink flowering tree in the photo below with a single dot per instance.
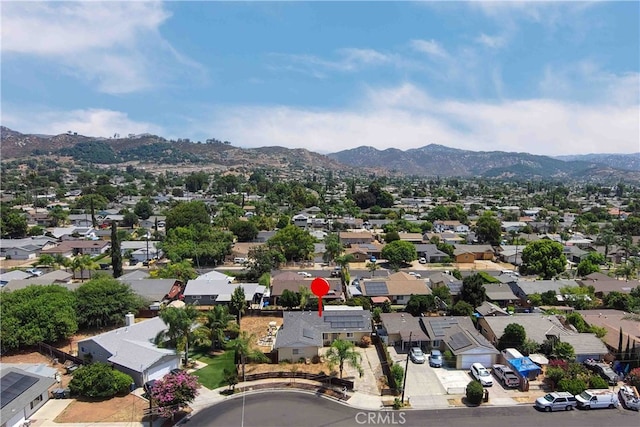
173 392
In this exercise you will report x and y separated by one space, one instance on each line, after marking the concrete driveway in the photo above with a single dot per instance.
423 388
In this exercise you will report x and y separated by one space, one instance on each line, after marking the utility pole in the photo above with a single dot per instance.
404 381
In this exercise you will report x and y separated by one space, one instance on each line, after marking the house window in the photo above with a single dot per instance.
349 334
35 401
196 296
325 336
436 344
295 351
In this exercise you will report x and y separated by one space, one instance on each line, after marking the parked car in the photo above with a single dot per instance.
435 359
481 374
416 355
506 375
604 370
561 400
413 273
304 274
34 272
595 399
422 260
630 397
335 273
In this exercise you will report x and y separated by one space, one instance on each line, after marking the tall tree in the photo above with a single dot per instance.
488 229
473 291
514 336
399 252
187 213
293 242
104 301
238 302
342 351
116 254
180 324
332 247
211 332
543 257
244 350
304 293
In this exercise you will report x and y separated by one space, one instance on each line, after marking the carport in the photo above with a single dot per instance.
418 339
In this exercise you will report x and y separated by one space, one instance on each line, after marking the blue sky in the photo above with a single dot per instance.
541 77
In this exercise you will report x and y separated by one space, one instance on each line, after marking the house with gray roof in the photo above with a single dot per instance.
27 248
524 288
303 333
458 335
499 293
151 290
214 292
431 252
403 330
490 309
22 394
131 349
540 327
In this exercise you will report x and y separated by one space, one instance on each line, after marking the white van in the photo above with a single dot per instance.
239 260
594 399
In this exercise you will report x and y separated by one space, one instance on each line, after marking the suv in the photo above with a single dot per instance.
435 359
556 401
506 375
34 272
422 260
416 355
481 374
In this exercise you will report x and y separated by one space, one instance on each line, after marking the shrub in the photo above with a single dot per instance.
572 385
555 374
315 359
597 382
475 391
397 403
397 372
365 341
99 380
449 358
634 377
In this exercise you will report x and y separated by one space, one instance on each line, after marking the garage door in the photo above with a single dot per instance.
160 371
468 360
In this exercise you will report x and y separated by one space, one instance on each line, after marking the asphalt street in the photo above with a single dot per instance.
283 409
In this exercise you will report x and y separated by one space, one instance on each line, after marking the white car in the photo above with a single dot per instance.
304 274
418 275
34 272
481 374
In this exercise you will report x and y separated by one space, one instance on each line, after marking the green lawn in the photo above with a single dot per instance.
212 375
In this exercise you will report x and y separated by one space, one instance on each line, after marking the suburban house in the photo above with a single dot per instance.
131 349
355 237
523 288
372 249
397 288
450 225
292 282
215 292
480 252
25 249
490 309
443 279
540 327
150 223
500 293
411 237
403 330
10 276
431 253
55 277
604 284
301 220
152 290
511 254
613 321
80 220
304 333
458 335
80 247
23 393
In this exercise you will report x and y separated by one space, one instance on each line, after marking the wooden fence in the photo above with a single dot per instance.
385 363
302 375
54 353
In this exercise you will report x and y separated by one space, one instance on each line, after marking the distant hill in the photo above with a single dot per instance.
431 160
154 149
620 161
439 160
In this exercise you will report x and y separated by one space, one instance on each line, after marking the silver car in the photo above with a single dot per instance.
416 355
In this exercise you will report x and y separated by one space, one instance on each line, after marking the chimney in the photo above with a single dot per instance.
129 319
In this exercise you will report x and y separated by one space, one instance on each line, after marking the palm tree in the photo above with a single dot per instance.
243 349
77 265
89 264
372 267
342 351
211 332
606 238
343 261
179 323
60 260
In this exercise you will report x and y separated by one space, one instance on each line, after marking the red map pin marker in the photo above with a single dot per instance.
320 287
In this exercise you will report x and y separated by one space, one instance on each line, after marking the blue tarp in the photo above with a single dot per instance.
525 367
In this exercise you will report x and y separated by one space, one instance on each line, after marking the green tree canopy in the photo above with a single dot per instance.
289 299
36 313
473 291
398 253
238 301
182 271
99 380
514 336
293 242
187 213
13 223
333 247
262 260
245 231
419 304
488 229
180 325
143 209
462 308
543 257
104 301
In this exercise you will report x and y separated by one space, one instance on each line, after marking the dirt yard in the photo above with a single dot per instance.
128 408
259 326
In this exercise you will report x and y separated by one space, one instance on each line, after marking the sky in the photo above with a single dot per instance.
551 78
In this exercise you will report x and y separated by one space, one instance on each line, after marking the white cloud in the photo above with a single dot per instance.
349 60
116 45
408 117
493 42
430 47
89 122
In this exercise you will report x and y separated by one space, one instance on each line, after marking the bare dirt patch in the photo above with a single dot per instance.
259 327
311 368
127 408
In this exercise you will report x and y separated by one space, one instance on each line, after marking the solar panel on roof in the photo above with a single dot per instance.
459 340
13 385
376 288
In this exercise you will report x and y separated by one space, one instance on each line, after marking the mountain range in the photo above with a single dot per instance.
430 160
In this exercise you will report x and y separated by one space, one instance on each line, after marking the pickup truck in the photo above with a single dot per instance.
506 376
630 397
